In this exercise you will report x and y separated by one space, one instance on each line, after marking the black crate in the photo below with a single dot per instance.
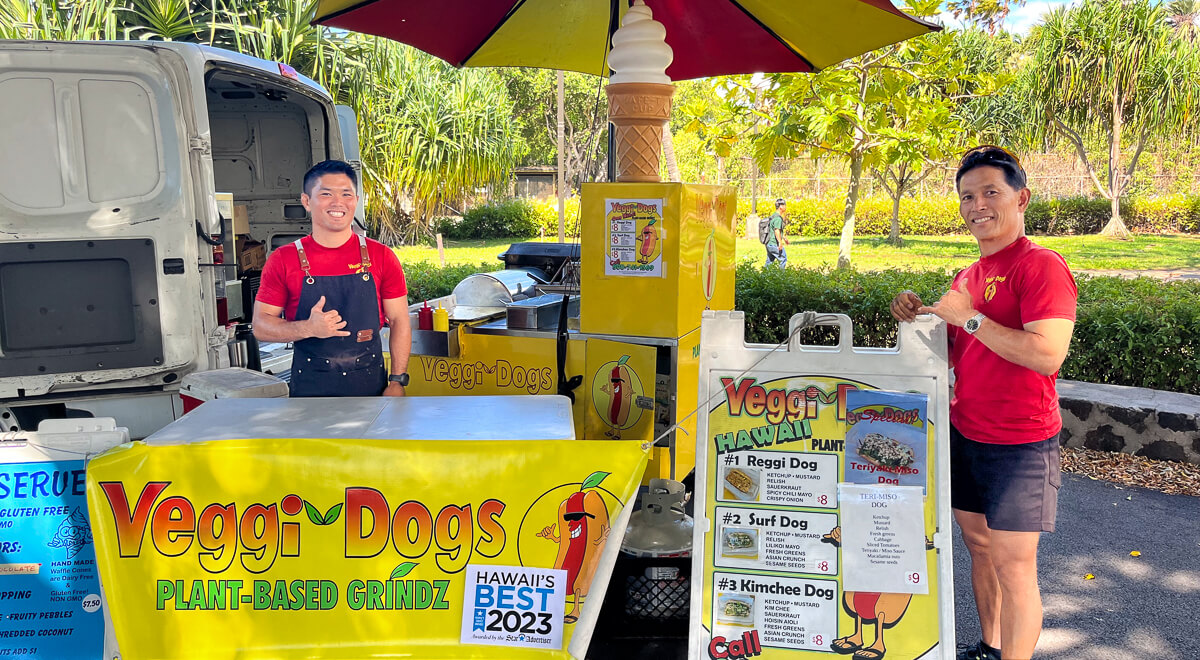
647 598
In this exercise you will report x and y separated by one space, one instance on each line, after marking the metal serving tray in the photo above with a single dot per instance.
539 313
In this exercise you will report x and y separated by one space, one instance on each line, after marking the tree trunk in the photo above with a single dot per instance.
1116 226
856 165
668 148
894 235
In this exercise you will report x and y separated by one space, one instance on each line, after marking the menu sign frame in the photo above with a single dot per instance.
774 462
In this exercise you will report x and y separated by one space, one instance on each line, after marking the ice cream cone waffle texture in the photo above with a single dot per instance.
639 111
639 93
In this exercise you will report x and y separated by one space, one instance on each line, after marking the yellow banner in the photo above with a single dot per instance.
356 549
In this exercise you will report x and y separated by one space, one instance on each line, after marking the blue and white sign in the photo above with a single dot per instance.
887 438
514 606
49 588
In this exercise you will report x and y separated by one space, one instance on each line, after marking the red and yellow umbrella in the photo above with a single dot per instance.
708 37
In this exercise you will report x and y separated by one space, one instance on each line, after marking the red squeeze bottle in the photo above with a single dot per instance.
425 317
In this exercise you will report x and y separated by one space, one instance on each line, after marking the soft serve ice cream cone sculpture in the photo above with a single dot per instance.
639 93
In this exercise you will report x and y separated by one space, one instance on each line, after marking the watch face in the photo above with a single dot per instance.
399 378
971 325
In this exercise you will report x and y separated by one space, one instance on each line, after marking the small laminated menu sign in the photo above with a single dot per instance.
635 237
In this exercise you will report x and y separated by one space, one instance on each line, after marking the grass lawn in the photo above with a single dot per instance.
1143 252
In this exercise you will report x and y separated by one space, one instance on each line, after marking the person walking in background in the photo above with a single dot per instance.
774 239
1010 316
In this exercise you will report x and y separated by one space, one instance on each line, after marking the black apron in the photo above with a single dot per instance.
340 366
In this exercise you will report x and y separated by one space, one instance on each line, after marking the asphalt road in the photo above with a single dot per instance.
1135 608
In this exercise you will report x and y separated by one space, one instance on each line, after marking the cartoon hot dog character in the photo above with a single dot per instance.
648 241
883 610
583 527
620 389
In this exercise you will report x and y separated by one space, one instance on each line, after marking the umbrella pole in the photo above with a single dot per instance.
614 21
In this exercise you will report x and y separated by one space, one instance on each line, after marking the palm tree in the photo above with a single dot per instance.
1184 16
1110 71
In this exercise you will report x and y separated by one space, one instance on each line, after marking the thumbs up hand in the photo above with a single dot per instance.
323 324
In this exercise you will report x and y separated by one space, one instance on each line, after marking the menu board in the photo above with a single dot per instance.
822 514
635 235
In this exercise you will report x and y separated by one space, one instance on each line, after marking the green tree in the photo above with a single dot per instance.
1184 15
1111 72
717 116
894 111
85 20
166 20
534 98
432 133
987 14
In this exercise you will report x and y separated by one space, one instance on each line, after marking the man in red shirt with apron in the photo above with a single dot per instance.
1010 318
330 293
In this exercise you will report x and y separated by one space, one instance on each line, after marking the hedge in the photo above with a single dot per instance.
921 216
1139 332
427 281
935 216
518 217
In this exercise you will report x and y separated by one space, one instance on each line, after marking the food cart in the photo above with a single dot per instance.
465 527
626 347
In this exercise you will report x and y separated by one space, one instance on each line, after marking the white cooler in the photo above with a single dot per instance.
231 383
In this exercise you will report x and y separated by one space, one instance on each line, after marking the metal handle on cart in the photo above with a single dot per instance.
809 319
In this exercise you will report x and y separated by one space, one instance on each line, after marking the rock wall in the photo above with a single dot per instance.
1159 425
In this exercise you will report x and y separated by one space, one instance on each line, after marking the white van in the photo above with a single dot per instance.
111 287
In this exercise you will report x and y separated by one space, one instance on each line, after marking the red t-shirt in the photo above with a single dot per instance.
282 276
997 401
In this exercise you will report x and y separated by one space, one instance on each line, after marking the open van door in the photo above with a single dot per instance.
99 257
348 125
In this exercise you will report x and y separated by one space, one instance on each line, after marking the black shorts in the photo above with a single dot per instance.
1014 486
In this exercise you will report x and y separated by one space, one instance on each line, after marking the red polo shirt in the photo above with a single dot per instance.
282 277
996 401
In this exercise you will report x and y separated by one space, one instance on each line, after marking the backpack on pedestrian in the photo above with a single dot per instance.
764 229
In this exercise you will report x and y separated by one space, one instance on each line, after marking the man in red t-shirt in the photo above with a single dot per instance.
330 293
1010 316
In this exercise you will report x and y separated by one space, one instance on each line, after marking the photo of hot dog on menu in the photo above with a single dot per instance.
735 610
887 438
741 483
739 542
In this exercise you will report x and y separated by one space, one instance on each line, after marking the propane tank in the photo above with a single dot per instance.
659 530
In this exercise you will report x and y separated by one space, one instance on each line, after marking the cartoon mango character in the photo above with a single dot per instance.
620 391
648 241
583 526
708 266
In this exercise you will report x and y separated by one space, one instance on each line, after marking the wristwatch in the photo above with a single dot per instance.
402 379
973 323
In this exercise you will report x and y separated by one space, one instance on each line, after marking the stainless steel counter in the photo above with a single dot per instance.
389 418
498 327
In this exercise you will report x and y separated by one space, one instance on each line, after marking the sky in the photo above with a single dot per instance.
1020 19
